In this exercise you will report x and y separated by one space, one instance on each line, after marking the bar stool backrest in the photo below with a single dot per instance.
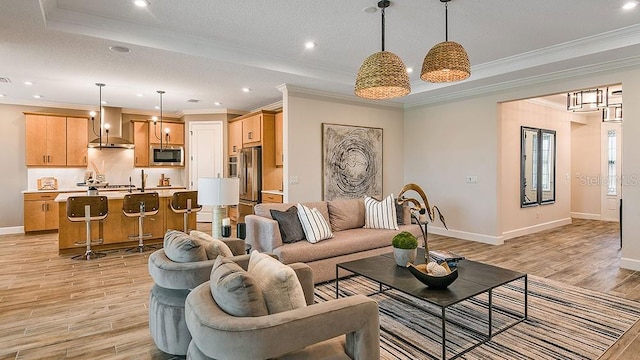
131 204
180 199
76 207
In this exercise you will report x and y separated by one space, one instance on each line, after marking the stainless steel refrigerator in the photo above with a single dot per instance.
250 174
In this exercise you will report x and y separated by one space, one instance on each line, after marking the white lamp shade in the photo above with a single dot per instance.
218 191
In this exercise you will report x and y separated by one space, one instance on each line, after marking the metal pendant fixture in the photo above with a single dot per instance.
101 117
383 74
155 132
447 61
588 100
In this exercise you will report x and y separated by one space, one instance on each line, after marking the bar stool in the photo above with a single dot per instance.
185 202
140 205
88 209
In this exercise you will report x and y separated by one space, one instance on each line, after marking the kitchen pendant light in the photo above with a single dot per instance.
383 74
100 116
447 61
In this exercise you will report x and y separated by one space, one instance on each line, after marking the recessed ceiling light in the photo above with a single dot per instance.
370 9
141 3
193 100
217 103
409 70
139 95
28 83
3 95
246 90
310 45
37 96
629 5
120 49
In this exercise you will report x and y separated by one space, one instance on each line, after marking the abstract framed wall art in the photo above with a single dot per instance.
351 161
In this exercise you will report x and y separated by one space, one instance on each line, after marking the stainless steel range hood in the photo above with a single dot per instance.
114 140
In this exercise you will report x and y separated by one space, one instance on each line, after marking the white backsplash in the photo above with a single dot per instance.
117 165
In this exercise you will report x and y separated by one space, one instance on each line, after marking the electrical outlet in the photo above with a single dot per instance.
471 179
293 180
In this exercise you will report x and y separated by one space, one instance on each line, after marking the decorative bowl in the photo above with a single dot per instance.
433 282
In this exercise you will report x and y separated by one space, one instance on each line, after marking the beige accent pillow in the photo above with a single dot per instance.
278 282
236 291
346 214
182 248
213 247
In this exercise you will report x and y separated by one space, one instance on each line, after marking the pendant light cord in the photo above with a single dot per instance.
383 7
446 21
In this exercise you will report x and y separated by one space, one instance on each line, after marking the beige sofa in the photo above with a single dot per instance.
350 242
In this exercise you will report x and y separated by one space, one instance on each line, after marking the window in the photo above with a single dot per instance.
611 164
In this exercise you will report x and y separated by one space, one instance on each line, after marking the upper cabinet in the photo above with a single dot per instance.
235 138
77 140
53 140
172 133
279 140
252 130
141 143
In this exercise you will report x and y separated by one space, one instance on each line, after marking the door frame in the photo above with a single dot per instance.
205 214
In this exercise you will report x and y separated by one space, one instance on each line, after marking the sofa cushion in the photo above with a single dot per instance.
380 214
279 284
343 243
235 291
346 214
289 224
212 247
263 208
180 247
315 226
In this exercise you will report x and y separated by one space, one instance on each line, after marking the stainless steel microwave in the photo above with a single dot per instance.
167 155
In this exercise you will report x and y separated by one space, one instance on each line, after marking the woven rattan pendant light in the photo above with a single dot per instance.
383 74
446 61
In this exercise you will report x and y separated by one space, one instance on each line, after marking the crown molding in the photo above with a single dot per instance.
616 65
225 111
348 99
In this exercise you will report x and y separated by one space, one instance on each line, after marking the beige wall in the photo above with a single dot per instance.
516 220
303 141
443 145
585 167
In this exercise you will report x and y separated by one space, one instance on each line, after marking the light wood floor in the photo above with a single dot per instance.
52 307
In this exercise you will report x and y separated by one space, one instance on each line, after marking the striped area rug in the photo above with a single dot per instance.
564 322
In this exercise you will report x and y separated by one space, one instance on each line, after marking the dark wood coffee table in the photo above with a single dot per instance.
474 278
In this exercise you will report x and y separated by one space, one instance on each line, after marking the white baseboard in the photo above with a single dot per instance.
491 240
586 216
631 264
12 230
535 228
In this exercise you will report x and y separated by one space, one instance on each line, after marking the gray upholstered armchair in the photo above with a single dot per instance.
173 281
345 328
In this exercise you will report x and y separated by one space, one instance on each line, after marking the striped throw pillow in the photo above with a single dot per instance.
314 224
380 214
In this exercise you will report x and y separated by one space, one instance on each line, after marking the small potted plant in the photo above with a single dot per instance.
405 248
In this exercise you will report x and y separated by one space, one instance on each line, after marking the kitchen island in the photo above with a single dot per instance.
116 228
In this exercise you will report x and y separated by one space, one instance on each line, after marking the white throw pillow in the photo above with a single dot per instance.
315 226
380 214
278 283
213 247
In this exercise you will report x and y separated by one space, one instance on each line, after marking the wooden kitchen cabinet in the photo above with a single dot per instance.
279 139
40 212
77 140
176 133
141 143
252 130
271 198
234 142
46 140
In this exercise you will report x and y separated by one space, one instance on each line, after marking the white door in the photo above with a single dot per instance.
611 183
206 159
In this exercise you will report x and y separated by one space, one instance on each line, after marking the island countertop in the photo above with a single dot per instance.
119 194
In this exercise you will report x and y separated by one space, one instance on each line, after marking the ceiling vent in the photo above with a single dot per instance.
5 80
193 100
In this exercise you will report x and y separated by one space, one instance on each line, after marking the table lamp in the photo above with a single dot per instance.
218 193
